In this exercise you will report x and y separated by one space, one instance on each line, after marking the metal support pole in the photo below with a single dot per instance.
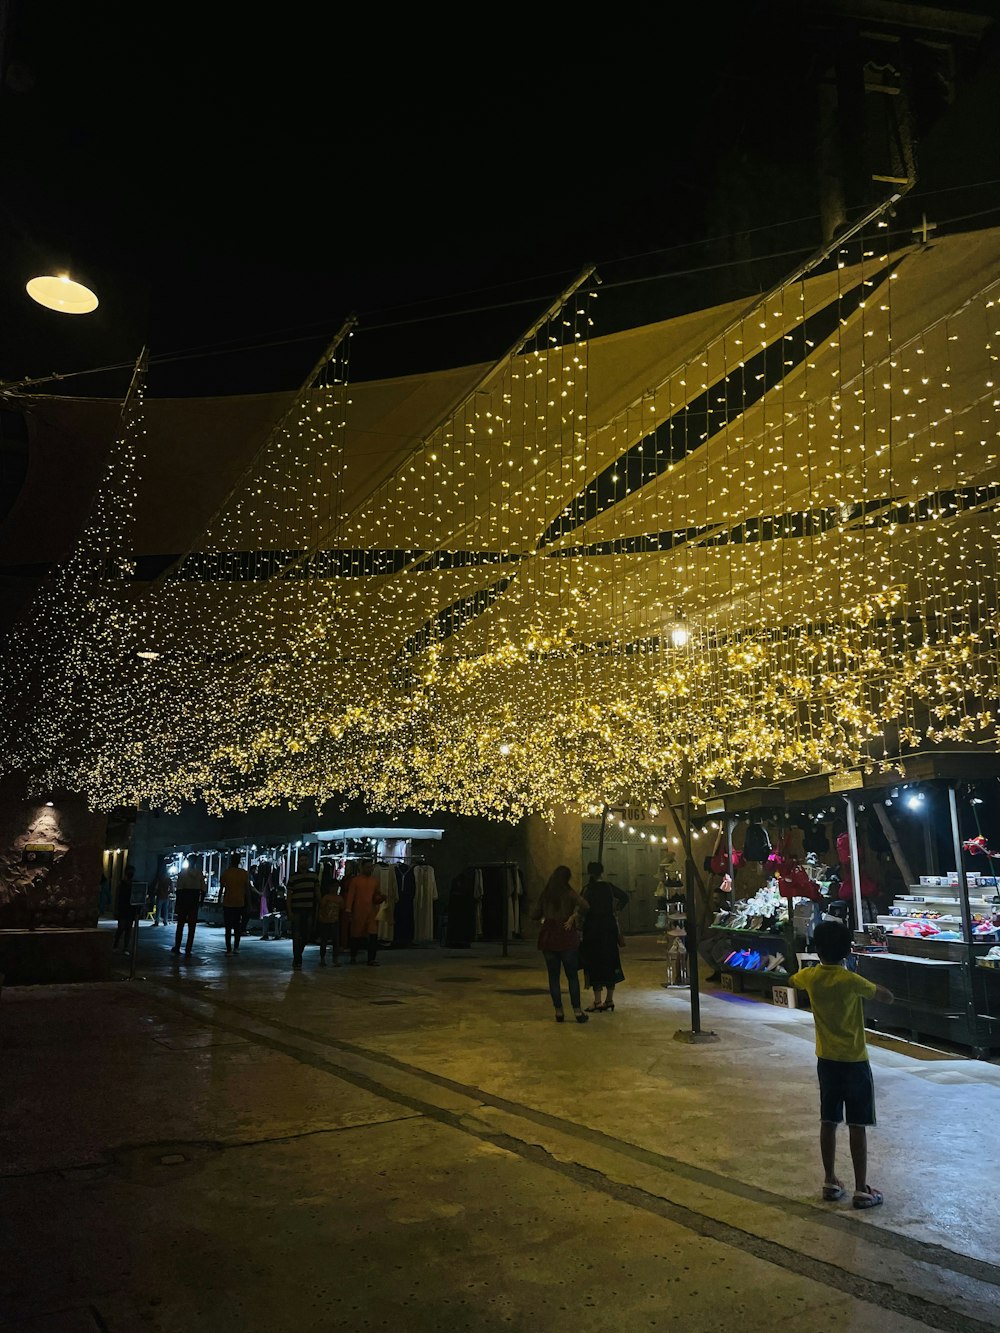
506 912
852 838
975 1026
691 914
963 883
135 946
600 840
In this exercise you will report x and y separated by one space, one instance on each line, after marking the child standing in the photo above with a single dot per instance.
328 921
845 1076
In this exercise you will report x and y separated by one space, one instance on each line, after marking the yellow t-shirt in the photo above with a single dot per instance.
836 997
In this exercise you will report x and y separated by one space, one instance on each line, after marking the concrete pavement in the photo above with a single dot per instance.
225 1144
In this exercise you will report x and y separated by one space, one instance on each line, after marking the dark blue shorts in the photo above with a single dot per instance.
846 1086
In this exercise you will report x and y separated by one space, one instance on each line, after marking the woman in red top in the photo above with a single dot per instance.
560 910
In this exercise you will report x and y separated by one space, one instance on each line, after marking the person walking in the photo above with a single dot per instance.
191 890
836 997
303 900
104 899
560 910
601 939
362 898
125 912
234 884
328 919
162 890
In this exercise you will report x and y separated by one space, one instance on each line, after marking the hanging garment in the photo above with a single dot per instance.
461 920
389 888
424 897
495 902
515 889
404 907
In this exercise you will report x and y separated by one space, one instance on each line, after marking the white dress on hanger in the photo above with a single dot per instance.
424 897
514 891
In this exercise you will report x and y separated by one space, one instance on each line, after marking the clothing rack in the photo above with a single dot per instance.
503 865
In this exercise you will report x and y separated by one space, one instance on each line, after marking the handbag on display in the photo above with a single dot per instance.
756 844
718 862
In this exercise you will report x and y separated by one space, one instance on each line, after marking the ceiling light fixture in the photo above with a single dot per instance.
58 291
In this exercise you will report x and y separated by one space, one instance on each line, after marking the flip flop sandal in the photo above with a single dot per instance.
868 1198
832 1193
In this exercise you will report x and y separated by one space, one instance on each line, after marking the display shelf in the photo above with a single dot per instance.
747 930
946 898
939 906
913 958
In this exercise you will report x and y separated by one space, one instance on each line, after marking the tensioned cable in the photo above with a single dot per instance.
203 352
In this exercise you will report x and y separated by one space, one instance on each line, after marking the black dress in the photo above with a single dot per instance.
602 964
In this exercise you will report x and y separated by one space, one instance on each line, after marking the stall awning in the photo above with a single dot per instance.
342 834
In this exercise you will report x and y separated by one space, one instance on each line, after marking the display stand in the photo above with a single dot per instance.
940 991
757 803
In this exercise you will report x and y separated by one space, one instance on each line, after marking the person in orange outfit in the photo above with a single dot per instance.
361 903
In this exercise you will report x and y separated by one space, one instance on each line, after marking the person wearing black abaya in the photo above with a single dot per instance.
599 949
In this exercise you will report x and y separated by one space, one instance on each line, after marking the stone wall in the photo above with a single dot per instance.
57 889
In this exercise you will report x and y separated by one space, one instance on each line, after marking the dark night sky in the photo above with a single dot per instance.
248 186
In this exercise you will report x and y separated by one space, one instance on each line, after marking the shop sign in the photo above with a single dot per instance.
845 781
717 807
38 853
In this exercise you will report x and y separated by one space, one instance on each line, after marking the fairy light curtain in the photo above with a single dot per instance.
59 663
767 548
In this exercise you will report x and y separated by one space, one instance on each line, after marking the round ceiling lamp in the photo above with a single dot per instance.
60 292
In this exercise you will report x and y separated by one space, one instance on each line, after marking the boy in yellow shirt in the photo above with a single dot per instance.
845 1077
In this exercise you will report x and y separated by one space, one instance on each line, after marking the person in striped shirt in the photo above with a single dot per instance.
303 899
